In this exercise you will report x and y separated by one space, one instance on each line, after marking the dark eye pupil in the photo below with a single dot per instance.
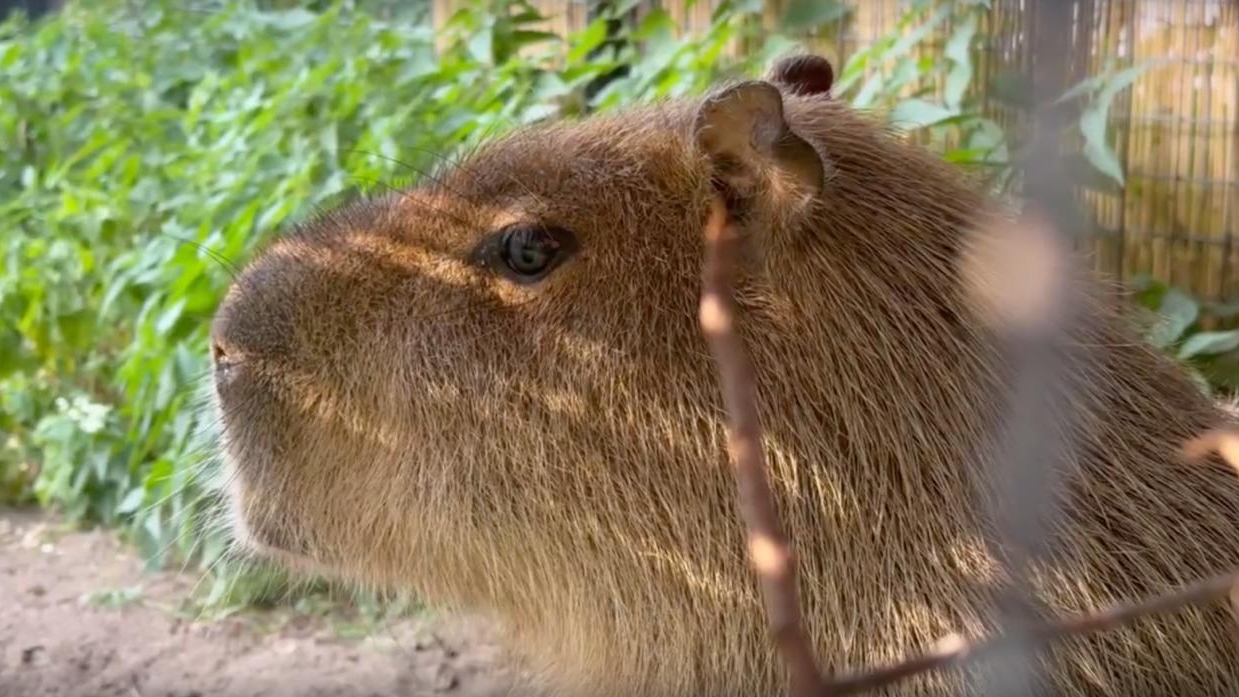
528 251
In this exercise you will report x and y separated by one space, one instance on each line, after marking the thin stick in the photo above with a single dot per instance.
955 651
771 554
769 551
1036 438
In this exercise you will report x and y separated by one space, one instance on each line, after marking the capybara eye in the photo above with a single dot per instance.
529 252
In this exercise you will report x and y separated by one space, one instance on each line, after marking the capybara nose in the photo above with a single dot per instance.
225 358
219 354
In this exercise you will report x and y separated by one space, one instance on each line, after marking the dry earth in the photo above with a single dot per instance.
61 637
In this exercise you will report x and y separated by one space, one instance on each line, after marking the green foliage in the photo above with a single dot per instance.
151 148
148 153
805 15
1179 330
113 598
930 91
1103 88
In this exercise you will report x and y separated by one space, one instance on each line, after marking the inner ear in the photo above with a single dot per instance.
806 74
743 133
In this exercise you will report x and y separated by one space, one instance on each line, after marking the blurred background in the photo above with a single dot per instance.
147 148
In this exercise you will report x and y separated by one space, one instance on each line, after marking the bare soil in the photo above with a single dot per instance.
79 617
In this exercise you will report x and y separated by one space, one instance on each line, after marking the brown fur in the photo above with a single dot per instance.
554 454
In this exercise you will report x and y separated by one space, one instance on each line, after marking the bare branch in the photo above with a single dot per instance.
1037 438
955 651
1026 468
1222 441
1022 274
769 551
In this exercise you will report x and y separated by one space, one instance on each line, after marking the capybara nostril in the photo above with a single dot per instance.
223 362
218 353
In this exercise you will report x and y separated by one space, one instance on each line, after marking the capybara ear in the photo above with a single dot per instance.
804 74
743 133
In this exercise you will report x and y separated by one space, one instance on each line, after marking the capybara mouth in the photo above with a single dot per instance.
280 550
258 540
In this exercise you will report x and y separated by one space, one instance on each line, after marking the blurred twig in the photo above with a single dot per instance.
768 549
1021 276
955 651
771 554
1031 325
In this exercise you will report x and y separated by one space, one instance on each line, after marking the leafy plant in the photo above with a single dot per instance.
1212 356
148 153
151 148
900 74
113 598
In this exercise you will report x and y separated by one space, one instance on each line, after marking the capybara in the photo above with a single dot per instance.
491 389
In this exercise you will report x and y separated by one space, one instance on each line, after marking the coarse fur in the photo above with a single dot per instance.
553 454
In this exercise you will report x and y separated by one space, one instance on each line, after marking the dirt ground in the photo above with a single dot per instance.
60 636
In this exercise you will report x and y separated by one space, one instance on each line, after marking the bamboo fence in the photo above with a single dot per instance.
1176 130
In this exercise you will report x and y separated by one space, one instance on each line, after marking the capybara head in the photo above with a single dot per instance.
492 390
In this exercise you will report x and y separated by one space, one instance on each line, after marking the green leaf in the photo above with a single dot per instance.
958 51
919 113
1085 173
160 472
1123 79
1012 89
76 328
525 37
1209 344
169 316
1093 121
1223 310
973 156
622 7
1149 291
802 15
10 351
588 39
1221 370
1098 152
1178 312
482 45
907 41
739 6
132 501
1201 381
1086 86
